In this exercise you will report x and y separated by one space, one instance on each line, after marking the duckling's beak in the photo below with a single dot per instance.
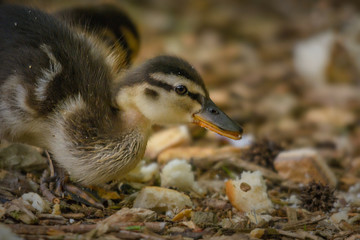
212 118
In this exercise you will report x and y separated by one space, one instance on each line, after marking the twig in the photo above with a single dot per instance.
50 216
235 160
66 237
344 234
136 235
44 188
295 225
44 230
73 215
307 235
301 235
52 222
289 234
81 228
151 226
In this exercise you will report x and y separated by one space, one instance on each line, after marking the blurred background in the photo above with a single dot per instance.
286 70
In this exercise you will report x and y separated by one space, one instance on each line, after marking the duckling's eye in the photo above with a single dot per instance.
181 89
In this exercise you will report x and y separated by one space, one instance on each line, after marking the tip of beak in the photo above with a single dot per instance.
236 136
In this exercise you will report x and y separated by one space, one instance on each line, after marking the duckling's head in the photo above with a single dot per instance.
168 90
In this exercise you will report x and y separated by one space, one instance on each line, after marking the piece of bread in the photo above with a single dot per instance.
162 200
249 193
177 173
143 172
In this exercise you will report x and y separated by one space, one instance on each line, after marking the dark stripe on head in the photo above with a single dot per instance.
174 66
160 84
195 96
165 65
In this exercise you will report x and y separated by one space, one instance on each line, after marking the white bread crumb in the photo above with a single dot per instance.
143 172
162 200
36 202
177 173
249 193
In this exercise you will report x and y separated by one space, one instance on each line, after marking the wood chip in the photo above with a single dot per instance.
188 153
291 215
186 213
73 215
304 165
165 139
301 223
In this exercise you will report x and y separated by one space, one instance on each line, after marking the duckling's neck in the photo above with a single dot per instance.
132 119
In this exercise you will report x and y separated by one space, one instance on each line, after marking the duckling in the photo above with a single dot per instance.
57 92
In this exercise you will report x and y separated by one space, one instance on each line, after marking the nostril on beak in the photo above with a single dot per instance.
213 111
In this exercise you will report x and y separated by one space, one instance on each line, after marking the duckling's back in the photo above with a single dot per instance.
46 66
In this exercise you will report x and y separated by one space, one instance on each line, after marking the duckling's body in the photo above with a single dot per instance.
56 94
60 89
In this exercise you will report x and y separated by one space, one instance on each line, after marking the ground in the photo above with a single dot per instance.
287 71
